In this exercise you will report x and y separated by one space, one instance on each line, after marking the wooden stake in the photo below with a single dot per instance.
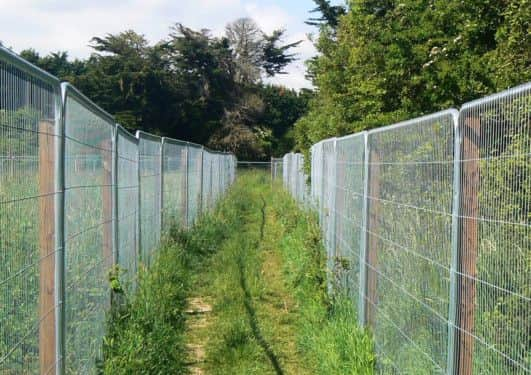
469 242
47 247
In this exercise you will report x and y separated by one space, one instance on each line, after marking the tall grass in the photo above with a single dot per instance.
328 333
145 329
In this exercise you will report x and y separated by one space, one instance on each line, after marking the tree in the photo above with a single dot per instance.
204 74
256 53
276 57
387 61
188 86
330 14
56 63
246 40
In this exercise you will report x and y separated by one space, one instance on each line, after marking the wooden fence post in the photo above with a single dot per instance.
47 309
470 180
374 221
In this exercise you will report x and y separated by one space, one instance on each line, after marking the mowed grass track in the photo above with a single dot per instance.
248 296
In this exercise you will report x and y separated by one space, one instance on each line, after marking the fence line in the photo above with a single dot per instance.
79 195
426 226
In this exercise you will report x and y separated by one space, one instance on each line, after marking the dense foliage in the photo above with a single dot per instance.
192 85
382 61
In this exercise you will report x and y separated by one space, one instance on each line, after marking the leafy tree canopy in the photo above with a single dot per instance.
191 85
391 60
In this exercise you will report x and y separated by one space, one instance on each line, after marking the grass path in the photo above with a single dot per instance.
267 289
243 292
250 327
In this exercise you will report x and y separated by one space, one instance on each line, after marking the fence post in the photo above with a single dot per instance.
333 212
161 198
60 160
272 171
339 205
139 252
211 192
107 201
323 179
115 212
372 251
184 185
468 243
362 309
451 365
47 245
201 182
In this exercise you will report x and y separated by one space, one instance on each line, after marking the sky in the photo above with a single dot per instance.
68 25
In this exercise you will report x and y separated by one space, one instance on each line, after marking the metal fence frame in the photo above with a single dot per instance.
50 139
478 141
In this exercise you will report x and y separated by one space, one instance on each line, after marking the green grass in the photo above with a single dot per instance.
271 313
145 331
259 262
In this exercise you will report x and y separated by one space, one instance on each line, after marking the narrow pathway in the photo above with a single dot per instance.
198 311
246 326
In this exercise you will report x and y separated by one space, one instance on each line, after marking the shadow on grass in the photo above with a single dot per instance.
254 321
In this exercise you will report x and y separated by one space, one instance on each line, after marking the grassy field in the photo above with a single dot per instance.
244 292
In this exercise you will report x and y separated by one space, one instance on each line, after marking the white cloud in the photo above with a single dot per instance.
68 25
269 18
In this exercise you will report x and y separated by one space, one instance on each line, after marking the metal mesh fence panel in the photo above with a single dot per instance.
349 212
207 180
495 253
149 149
29 114
276 168
174 186
128 206
194 182
215 178
76 194
88 229
293 176
328 199
409 242
317 178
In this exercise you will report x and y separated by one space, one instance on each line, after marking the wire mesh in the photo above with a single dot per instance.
150 175
174 189
495 267
207 180
29 114
128 206
78 194
433 214
88 229
194 182
317 178
348 212
409 242
276 168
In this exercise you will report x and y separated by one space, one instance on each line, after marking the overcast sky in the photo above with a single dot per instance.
68 25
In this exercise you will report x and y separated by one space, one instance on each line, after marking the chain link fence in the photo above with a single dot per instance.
426 226
80 195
